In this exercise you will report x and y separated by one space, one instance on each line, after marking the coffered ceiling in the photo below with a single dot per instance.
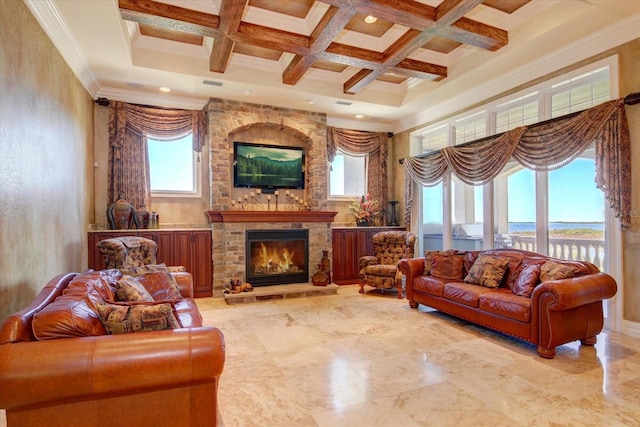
318 55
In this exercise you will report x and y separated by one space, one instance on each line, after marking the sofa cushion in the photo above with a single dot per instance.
447 265
128 288
159 287
71 314
187 313
386 270
122 318
504 303
429 284
552 270
162 286
528 279
464 293
487 271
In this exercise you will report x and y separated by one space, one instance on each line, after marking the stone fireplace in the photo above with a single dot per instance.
231 121
275 257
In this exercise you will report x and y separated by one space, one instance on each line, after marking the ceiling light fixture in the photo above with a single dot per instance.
370 19
165 89
311 101
359 116
247 91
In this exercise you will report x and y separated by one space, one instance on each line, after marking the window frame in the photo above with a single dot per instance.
344 197
197 175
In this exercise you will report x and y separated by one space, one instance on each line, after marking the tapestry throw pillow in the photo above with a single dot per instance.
487 271
128 288
136 317
552 270
447 266
428 258
528 279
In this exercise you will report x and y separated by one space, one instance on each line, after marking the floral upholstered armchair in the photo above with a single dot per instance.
130 252
381 270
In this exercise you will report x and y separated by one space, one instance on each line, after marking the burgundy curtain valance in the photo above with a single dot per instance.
544 146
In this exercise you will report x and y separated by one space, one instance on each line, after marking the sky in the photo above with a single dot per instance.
573 196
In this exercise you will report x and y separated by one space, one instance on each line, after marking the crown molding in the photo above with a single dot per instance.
49 18
160 100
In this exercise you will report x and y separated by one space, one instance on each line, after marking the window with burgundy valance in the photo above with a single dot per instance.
373 145
129 127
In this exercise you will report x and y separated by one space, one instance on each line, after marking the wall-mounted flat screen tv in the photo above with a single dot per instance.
267 166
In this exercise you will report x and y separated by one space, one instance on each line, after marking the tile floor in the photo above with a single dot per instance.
370 360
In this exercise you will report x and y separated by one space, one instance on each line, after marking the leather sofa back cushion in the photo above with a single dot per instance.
447 266
487 271
158 286
528 279
68 316
71 315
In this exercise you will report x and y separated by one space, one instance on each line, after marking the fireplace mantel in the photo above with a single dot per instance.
270 216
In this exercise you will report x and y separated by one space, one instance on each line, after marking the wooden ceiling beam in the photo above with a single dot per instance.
170 17
271 38
422 70
230 16
331 24
476 34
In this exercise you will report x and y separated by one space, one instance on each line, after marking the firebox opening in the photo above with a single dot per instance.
277 257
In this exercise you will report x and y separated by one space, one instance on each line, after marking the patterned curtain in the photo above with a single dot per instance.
129 126
542 147
374 145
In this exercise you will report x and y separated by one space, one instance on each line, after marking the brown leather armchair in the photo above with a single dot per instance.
381 269
129 252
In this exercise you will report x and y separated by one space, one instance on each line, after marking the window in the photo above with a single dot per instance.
347 176
172 167
542 212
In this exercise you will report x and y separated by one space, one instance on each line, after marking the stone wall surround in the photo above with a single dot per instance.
227 118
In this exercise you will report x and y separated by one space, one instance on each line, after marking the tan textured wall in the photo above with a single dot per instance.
629 61
46 195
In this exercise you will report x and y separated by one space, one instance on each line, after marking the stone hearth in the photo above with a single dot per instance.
265 293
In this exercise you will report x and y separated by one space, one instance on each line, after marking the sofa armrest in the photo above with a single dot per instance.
576 291
185 283
44 373
367 260
411 267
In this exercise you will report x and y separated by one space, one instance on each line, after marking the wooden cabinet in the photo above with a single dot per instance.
190 248
349 244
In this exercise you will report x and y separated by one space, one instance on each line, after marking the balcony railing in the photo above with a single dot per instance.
572 249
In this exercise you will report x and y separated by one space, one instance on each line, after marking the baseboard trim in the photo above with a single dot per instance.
631 328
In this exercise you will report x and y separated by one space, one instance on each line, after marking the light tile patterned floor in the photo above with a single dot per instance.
370 360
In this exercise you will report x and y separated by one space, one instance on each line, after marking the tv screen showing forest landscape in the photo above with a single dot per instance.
268 166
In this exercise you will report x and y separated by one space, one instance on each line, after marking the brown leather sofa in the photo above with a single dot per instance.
60 367
556 311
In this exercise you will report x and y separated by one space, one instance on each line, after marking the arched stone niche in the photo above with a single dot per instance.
231 121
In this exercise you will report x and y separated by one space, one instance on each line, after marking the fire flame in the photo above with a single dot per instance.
271 261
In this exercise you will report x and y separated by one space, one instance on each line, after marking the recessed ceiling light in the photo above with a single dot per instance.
311 101
165 89
359 116
370 19
247 91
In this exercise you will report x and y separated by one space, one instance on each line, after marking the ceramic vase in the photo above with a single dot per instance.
141 218
120 214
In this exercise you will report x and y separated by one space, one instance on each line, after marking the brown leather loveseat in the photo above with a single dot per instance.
60 367
545 301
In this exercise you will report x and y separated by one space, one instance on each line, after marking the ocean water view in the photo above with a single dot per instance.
520 227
